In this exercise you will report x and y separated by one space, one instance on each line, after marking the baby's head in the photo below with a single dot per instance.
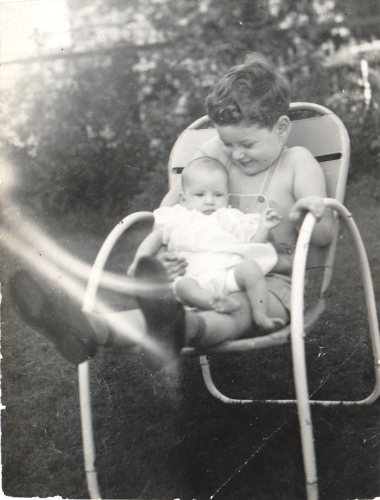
204 185
252 93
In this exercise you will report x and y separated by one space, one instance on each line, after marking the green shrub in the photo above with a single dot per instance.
79 136
93 133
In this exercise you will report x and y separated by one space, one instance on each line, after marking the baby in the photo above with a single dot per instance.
226 251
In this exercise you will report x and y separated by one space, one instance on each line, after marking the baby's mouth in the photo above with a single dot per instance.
208 211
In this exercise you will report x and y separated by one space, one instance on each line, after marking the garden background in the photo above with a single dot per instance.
90 110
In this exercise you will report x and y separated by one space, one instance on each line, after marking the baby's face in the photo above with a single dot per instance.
205 192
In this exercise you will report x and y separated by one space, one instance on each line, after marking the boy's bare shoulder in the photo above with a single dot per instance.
298 156
300 152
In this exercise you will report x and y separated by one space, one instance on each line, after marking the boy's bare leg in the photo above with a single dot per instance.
116 325
207 328
250 278
164 316
191 293
50 311
76 335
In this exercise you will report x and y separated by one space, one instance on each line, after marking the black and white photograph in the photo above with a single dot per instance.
190 249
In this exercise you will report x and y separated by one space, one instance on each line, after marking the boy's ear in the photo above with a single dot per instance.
182 197
283 127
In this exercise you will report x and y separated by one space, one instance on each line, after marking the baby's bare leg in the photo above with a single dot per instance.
250 278
191 293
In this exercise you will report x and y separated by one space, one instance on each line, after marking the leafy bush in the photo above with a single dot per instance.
79 136
93 133
362 120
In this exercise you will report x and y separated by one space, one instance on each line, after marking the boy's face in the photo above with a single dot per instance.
205 192
252 147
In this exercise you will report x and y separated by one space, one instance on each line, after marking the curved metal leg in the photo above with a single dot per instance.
368 293
299 359
206 372
297 336
87 430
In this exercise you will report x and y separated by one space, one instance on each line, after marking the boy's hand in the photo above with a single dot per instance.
270 218
175 266
313 204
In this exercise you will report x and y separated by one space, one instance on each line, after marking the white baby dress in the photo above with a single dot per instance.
212 242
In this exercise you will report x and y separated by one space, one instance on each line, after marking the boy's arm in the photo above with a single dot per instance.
309 189
149 246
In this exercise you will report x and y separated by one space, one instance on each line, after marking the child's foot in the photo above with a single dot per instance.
164 315
225 305
269 324
62 322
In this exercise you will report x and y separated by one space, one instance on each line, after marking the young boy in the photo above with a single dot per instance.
248 108
215 241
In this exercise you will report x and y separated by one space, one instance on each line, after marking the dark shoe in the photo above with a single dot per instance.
164 315
54 316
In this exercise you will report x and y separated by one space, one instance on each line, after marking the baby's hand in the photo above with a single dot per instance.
313 204
174 265
270 218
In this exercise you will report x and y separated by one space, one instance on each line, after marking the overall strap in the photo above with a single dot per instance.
251 203
267 184
270 175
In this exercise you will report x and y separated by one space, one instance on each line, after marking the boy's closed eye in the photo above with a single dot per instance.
246 146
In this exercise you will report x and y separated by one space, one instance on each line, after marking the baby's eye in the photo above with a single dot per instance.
249 146
199 194
218 195
227 144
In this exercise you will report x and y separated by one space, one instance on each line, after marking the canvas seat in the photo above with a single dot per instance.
323 133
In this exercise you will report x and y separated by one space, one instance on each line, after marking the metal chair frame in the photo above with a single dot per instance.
335 163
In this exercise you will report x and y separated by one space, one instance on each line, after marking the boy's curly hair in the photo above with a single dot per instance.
253 93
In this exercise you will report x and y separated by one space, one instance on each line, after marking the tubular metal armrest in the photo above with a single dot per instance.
104 253
84 368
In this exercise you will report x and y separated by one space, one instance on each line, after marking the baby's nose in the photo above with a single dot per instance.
209 199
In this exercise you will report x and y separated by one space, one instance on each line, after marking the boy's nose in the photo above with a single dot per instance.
209 199
237 154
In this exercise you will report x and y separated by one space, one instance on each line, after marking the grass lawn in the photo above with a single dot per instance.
150 446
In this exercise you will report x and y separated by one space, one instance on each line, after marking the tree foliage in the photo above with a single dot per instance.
96 128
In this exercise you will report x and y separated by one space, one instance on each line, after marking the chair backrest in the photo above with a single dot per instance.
313 126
